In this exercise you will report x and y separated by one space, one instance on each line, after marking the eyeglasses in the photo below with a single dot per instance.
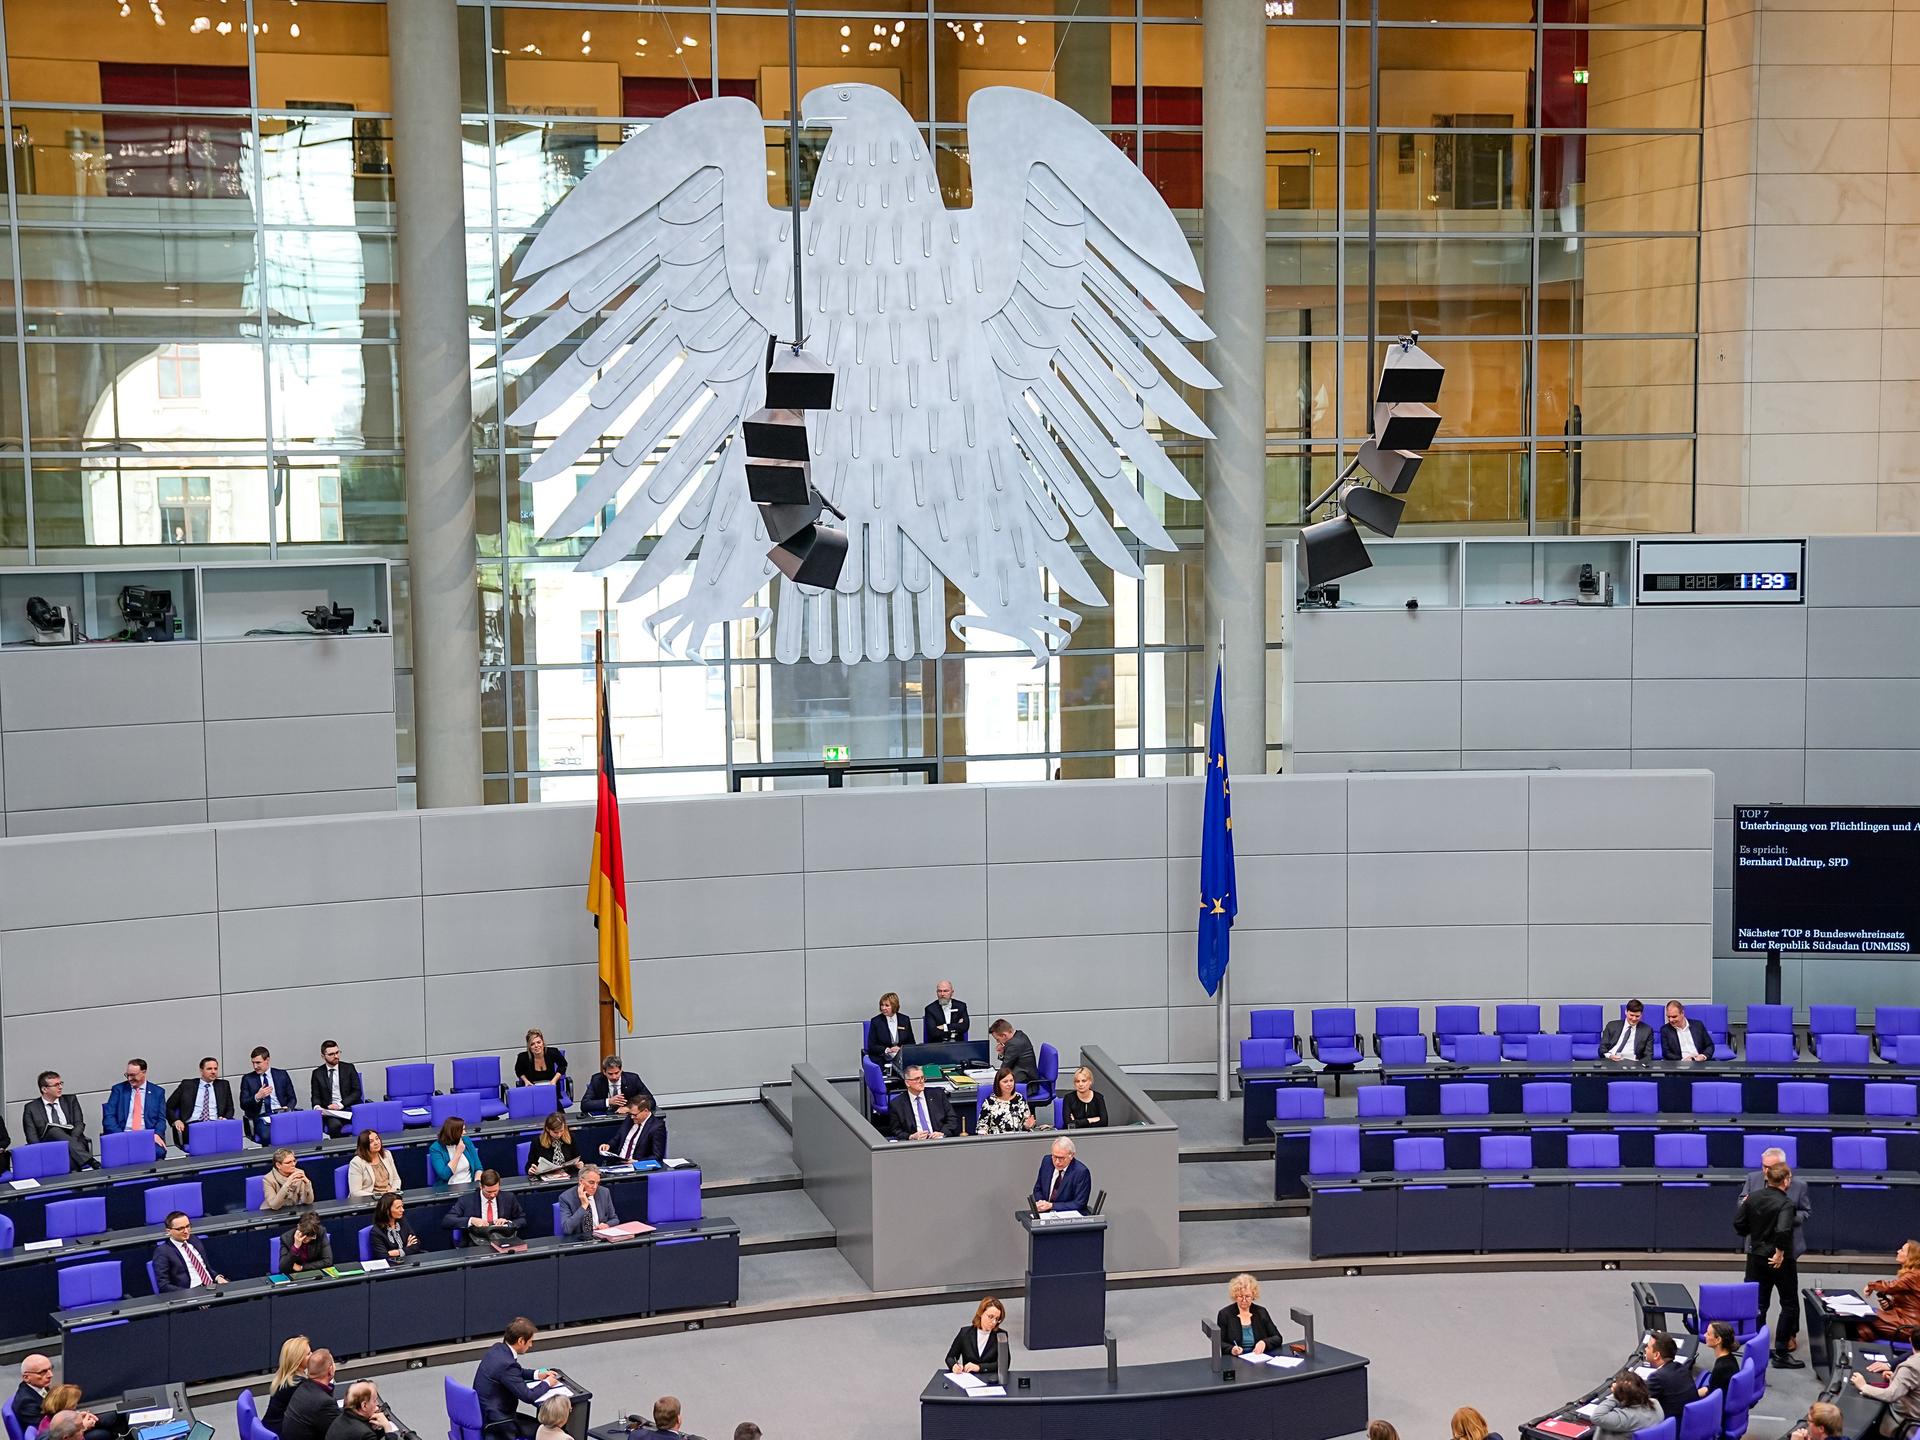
132 1075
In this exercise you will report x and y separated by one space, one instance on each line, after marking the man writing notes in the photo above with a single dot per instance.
501 1382
136 1103
1629 1038
1684 1039
1016 1051
947 1020
334 1085
265 1091
920 1113
1063 1183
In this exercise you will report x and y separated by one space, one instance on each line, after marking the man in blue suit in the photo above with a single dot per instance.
586 1207
180 1261
136 1104
1064 1183
501 1382
266 1091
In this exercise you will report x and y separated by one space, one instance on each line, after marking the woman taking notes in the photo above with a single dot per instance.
977 1349
1245 1326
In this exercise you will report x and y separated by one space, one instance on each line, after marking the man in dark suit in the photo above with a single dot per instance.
310 1411
666 1419
920 1113
1767 1221
1796 1192
612 1090
1684 1039
36 1379
180 1261
645 1137
586 1207
207 1097
487 1214
1016 1051
266 1091
334 1085
501 1382
136 1104
1063 1182
1629 1038
1671 1383
947 1020
58 1116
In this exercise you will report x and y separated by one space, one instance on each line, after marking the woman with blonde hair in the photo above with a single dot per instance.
293 1367
285 1186
1245 1326
1470 1424
553 1414
537 1065
554 1155
1086 1105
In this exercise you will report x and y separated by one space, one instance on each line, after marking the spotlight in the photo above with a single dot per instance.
1333 548
334 619
52 624
149 612
779 474
1375 509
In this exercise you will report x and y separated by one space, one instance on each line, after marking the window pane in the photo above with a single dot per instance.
150 500
536 165
1618 485
1620 182
13 513
153 396
327 170
877 709
600 62
332 284
1457 79
662 714
1302 72
132 54
134 168
1445 182
1637 80
1303 180
335 396
753 59
1443 287
1622 287
133 282
1484 392
314 55
1470 484
345 499
1622 387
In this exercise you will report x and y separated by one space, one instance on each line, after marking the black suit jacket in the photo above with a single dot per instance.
170 1271
310 1412
350 1092
965 1350
347 1426
501 1382
1263 1327
1671 1387
900 1114
465 1211
1642 1043
877 1041
935 1033
33 1120
187 1094
652 1144
1670 1040
593 1100
283 1096
27 1406
1019 1057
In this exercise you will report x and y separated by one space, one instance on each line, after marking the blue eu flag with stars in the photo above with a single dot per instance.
1219 896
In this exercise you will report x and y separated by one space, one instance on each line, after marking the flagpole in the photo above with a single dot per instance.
607 1042
1222 1087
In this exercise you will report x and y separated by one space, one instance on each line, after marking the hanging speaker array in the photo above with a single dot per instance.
780 475
1404 426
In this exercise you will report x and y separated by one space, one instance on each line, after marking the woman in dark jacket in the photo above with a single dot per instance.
537 1065
306 1246
1244 1325
393 1237
977 1349
887 1032
554 1155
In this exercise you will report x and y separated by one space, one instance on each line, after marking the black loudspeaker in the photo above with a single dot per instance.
1408 376
777 435
796 380
783 522
1375 509
812 557
1394 469
1333 548
778 482
1405 427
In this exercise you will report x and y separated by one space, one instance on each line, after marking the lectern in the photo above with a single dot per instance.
1066 1280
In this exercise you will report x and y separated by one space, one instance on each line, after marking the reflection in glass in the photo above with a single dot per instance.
135 498
332 284
336 396
172 282
326 170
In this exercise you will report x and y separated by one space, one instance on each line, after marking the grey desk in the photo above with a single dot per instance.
1173 1400
1759 1084
235 1329
1688 1346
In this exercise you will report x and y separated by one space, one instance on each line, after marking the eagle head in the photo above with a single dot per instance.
868 108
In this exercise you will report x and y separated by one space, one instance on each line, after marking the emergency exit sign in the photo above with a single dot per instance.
835 754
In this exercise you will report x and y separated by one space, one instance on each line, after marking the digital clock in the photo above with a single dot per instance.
1720 572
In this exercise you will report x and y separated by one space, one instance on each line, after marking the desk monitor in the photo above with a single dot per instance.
956 1055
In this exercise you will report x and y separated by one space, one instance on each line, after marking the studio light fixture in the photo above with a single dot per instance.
1369 489
779 473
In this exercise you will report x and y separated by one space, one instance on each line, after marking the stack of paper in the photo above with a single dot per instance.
1846 1302
969 1383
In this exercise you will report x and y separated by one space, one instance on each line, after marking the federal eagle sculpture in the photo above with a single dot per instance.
992 366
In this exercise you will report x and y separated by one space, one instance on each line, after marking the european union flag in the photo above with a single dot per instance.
1219 896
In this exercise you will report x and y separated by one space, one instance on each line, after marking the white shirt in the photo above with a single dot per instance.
893 1029
981 1340
593 1211
458 1171
920 1112
56 1116
333 1085
1685 1032
1629 1036
203 1108
191 1259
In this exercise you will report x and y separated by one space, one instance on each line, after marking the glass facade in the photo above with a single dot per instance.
200 305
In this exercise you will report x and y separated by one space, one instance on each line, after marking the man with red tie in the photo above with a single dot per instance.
487 1215
180 1261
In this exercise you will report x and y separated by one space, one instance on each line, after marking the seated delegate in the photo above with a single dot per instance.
393 1236
1671 1383
980 1348
180 1261
1626 1407
360 1417
1898 1298
452 1159
501 1382
1684 1039
1015 1051
1086 1106
286 1379
487 1215
57 1115
1724 1346
1245 1326
334 1085
136 1103
205 1097
1898 1388
306 1246
610 1091
887 1033
553 1154
586 1207
946 1020
371 1171
537 1065
264 1091
919 1113
645 1136
1627 1039
1063 1183
285 1186
1005 1110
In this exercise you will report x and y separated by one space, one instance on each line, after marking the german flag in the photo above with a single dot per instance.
607 881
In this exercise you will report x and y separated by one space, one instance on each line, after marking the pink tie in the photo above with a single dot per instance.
137 1113
196 1264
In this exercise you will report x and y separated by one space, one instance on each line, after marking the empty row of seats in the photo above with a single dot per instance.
1334 1151
1334 1037
292 1127
1892 1099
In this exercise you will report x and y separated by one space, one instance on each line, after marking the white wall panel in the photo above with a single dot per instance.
1860 642
1376 645
1075 972
1695 642
1386 715
118 962
505 929
473 1014
57 881
1568 810
507 847
309 862
106 765
1084 820
1269 967
1077 897
91 1047
1740 777
313 675
1589 886
1726 714
695 839
1863 777
375 1021
1466 888
84 818
1863 714
339 942
1406 964
888 907
294 755
728 915
60 687
1669 961
1272 815
1390 813
1547 643
1544 714
844 983
304 803
871 829
758 990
